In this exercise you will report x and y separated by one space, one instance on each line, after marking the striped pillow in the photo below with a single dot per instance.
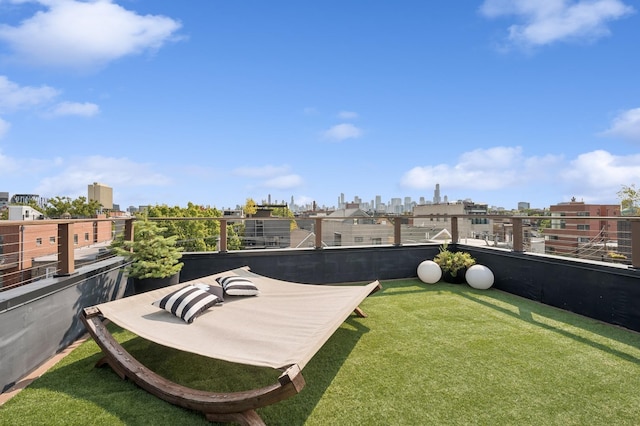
187 303
238 286
216 290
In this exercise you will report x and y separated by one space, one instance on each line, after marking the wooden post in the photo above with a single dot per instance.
65 249
222 246
128 231
454 230
318 231
517 235
397 232
635 243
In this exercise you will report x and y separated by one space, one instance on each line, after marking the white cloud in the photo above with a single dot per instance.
76 174
79 34
548 21
343 131
14 96
347 115
283 182
7 166
601 170
594 176
626 125
86 109
483 169
4 128
276 177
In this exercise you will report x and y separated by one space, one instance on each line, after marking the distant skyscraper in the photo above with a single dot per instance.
523 205
436 194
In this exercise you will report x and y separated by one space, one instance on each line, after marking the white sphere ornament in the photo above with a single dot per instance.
429 272
479 277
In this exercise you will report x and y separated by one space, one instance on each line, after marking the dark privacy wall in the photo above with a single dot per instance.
41 319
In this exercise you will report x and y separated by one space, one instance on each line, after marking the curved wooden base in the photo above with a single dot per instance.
236 407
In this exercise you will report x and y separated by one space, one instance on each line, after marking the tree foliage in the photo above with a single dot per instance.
629 197
250 207
285 212
153 254
195 235
59 206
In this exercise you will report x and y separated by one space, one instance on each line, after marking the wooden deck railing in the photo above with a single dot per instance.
65 263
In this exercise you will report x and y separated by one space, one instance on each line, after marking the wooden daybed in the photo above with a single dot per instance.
282 328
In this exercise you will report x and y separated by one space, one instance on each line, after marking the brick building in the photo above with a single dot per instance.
576 230
21 242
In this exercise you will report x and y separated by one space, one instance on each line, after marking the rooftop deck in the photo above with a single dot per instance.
40 319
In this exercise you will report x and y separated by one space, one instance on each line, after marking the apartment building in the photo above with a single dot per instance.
22 243
101 193
574 231
480 228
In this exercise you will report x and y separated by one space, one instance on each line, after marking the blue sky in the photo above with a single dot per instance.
214 102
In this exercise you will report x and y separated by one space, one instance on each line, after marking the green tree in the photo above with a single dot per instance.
285 212
250 207
58 206
629 198
152 254
195 235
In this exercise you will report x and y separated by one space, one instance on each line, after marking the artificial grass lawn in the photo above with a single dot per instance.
426 355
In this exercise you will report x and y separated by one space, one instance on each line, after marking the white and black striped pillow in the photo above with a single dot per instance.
238 286
187 303
216 290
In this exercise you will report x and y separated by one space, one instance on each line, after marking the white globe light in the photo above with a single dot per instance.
429 272
479 276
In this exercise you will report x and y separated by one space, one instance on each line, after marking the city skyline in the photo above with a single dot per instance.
213 103
393 205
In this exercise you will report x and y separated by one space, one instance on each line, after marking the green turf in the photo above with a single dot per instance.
426 355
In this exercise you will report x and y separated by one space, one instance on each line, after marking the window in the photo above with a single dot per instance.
583 227
38 241
86 236
52 240
358 239
376 241
75 239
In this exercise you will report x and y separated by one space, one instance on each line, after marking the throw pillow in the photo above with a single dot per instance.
216 290
238 286
187 303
